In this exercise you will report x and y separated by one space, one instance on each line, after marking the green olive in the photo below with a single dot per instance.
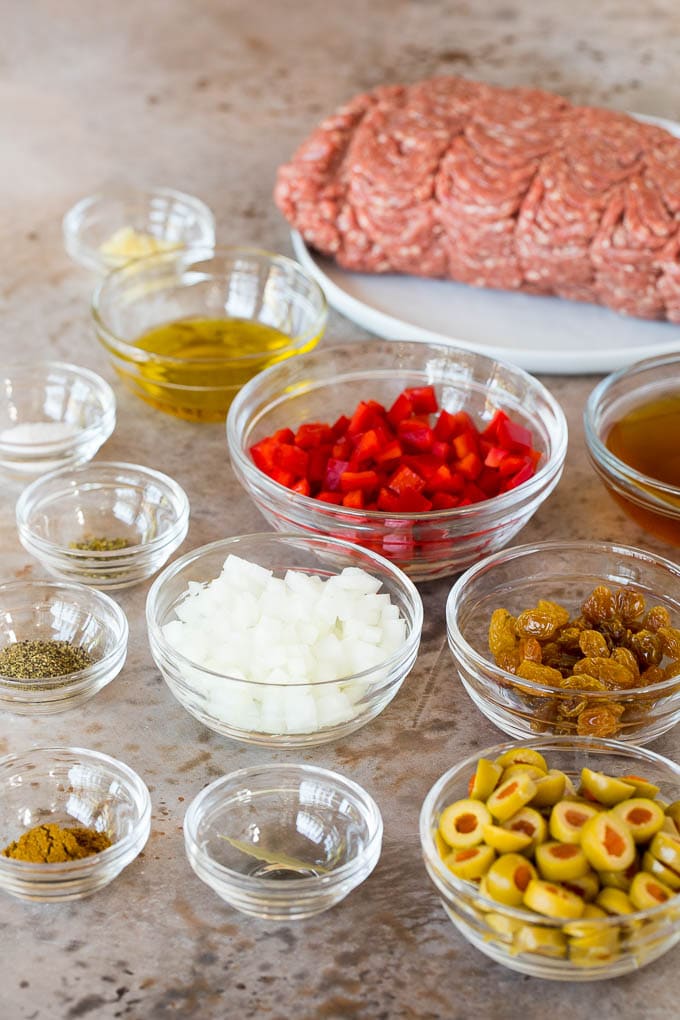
561 862
549 789
567 819
586 886
531 938
522 756
504 840
607 842
553 900
614 901
508 877
605 789
648 891
461 823
655 867
666 848
643 817
485 779
531 823
510 796
470 862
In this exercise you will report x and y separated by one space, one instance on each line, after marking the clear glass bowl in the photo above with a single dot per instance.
52 414
61 611
169 217
241 284
563 572
327 383
247 710
283 842
632 940
103 502
653 504
71 787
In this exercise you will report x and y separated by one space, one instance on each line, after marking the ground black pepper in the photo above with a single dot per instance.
34 660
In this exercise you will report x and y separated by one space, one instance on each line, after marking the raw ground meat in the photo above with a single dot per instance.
515 189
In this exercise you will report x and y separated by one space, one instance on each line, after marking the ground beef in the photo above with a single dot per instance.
515 189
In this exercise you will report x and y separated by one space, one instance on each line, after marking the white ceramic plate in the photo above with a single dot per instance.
538 334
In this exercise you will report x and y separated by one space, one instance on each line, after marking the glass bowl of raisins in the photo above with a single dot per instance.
429 455
559 858
570 638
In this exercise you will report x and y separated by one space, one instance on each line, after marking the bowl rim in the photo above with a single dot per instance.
134 785
607 461
79 677
466 889
409 591
245 883
90 257
190 255
106 404
487 564
33 498
506 501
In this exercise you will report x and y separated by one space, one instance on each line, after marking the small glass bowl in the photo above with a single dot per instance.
328 383
60 611
168 217
99 503
632 940
283 842
240 284
52 414
71 787
235 707
653 504
563 572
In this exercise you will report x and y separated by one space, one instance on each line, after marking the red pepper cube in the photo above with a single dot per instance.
464 444
363 480
441 450
489 481
444 501
470 466
413 502
366 449
400 410
491 430
316 465
514 436
415 435
284 478
313 434
495 456
354 499
392 451
342 449
445 480
303 487
445 426
264 454
405 479
339 427
284 436
523 475
329 497
513 463
388 501
473 493
367 414
423 399
462 422
293 459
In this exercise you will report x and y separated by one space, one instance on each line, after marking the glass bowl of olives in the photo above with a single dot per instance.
570 638
559 858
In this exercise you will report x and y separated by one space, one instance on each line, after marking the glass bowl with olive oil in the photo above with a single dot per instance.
186 329
632 427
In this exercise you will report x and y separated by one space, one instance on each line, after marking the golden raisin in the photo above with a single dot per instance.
558 612
647 646
670 641
582 682
612 673
591 642
656 617
530 649
502 633
539 674
629 604
537 623
625 657
600 604
597 722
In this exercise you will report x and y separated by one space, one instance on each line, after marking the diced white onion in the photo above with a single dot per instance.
302 629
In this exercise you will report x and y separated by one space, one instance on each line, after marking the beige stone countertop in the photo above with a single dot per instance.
209 97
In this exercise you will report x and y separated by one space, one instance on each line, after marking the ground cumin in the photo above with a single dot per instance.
52 844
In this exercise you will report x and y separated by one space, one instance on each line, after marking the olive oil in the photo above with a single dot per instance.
195 366
647 439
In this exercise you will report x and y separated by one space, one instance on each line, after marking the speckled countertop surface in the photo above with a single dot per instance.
210 97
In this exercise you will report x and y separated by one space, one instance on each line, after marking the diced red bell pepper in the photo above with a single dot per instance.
405 480
292 458
392 451
445 480
491 430
523 475
412 502
339 427
367 414
354 499
464 444
303 487
366 449
470 466
313 434
365 481
423 399
513 436
416 435
329 497
445 426
444 501
284 436
495 456
400 409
